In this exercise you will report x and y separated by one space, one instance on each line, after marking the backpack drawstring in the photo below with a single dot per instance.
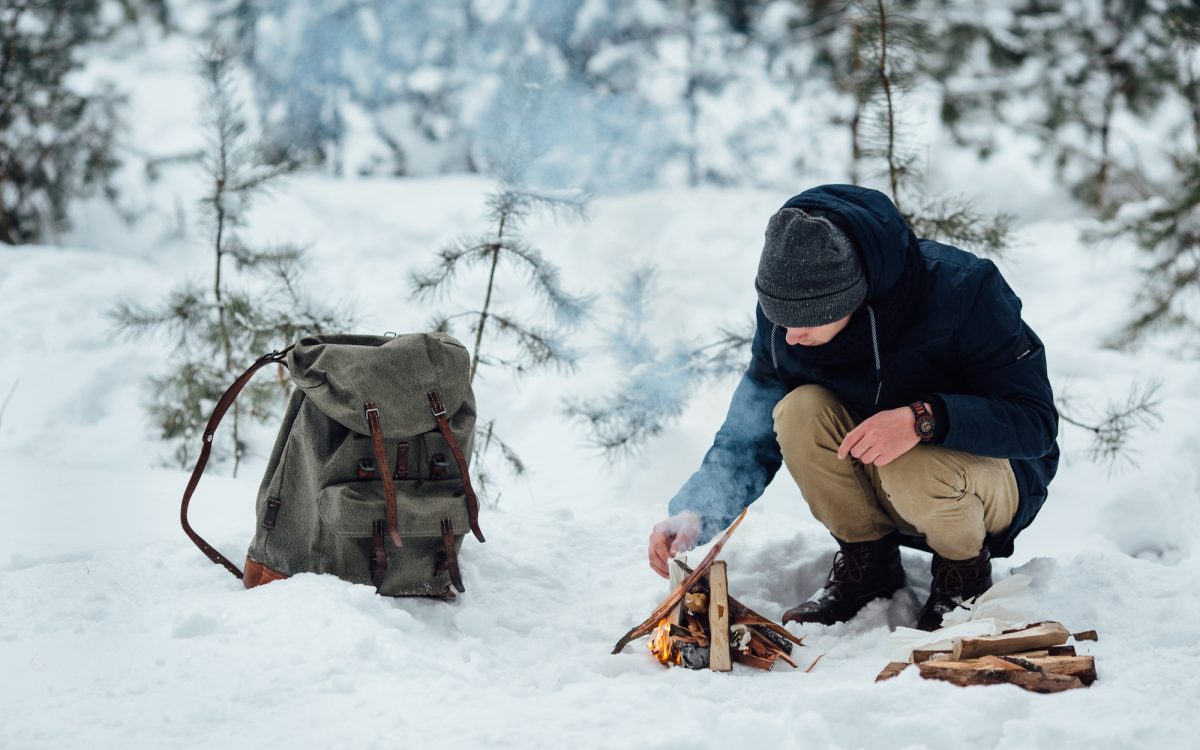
875 349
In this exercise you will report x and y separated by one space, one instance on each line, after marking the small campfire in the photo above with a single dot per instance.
700 626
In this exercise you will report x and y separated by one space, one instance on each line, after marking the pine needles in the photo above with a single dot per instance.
501 337
218 329
658 381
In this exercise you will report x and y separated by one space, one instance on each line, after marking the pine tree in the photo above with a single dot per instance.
1086 66
893 47
1163 218
57 144
500 337
218 329
958 224
1166 227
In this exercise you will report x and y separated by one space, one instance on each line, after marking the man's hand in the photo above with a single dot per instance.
678 533
883 438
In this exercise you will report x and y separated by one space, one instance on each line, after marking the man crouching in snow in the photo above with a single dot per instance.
895 379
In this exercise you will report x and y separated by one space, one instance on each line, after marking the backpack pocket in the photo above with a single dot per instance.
425 512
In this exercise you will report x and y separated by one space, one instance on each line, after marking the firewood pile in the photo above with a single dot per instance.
700 626
1036 658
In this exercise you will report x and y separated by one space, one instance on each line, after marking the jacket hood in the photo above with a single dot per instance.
884 240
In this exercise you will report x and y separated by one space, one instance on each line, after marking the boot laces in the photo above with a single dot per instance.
847 568
951 576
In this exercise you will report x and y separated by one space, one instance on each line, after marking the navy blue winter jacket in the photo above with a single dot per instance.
965 349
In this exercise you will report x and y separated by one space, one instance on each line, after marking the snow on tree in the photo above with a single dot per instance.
57 143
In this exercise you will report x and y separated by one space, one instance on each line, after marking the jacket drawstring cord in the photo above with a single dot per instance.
875 348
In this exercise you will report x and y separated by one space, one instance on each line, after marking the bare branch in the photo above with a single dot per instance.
1111 433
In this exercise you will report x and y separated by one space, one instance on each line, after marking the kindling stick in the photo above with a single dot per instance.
677 595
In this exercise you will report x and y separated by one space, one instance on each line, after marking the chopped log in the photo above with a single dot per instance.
1000 662
773 632
695 627
684 635
1034 637
891 670
923 655
696 603
661 611
1082 668
757 662
967 674
677 577
1060 651
1086 635
718 617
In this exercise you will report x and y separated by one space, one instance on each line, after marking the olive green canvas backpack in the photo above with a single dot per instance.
369 477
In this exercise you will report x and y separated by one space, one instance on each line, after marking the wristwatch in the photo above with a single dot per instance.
925 424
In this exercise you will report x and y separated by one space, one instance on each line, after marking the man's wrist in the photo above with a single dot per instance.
924 423
937 407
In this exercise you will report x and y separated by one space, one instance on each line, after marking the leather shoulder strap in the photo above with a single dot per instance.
219 410
439 413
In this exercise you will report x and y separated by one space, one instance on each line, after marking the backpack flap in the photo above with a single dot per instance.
339 372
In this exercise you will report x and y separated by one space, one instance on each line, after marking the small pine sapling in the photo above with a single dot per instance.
501 337
217 330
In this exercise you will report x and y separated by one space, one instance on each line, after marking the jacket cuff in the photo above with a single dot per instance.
941 417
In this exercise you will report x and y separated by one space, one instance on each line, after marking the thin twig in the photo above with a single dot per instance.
8 398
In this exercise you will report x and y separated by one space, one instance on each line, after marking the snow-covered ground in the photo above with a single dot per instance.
116 632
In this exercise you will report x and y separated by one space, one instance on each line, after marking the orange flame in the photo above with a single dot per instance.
661 645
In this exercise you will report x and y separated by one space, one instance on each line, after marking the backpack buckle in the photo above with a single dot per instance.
438 466
367 469
435 402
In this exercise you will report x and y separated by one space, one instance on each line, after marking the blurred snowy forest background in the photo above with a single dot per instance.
558 100
625 94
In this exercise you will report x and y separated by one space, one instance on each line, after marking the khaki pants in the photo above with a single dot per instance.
953 499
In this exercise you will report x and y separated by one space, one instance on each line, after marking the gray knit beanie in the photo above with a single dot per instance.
809 273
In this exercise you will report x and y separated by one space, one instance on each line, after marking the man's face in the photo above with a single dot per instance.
816 335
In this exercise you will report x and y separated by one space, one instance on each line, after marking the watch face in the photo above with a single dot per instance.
925 426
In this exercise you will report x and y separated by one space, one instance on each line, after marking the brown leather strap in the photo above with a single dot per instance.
439 411
218 412
451 555
379 561
385 472
402 461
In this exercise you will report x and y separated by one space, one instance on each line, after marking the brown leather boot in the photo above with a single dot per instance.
954 581
862 572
